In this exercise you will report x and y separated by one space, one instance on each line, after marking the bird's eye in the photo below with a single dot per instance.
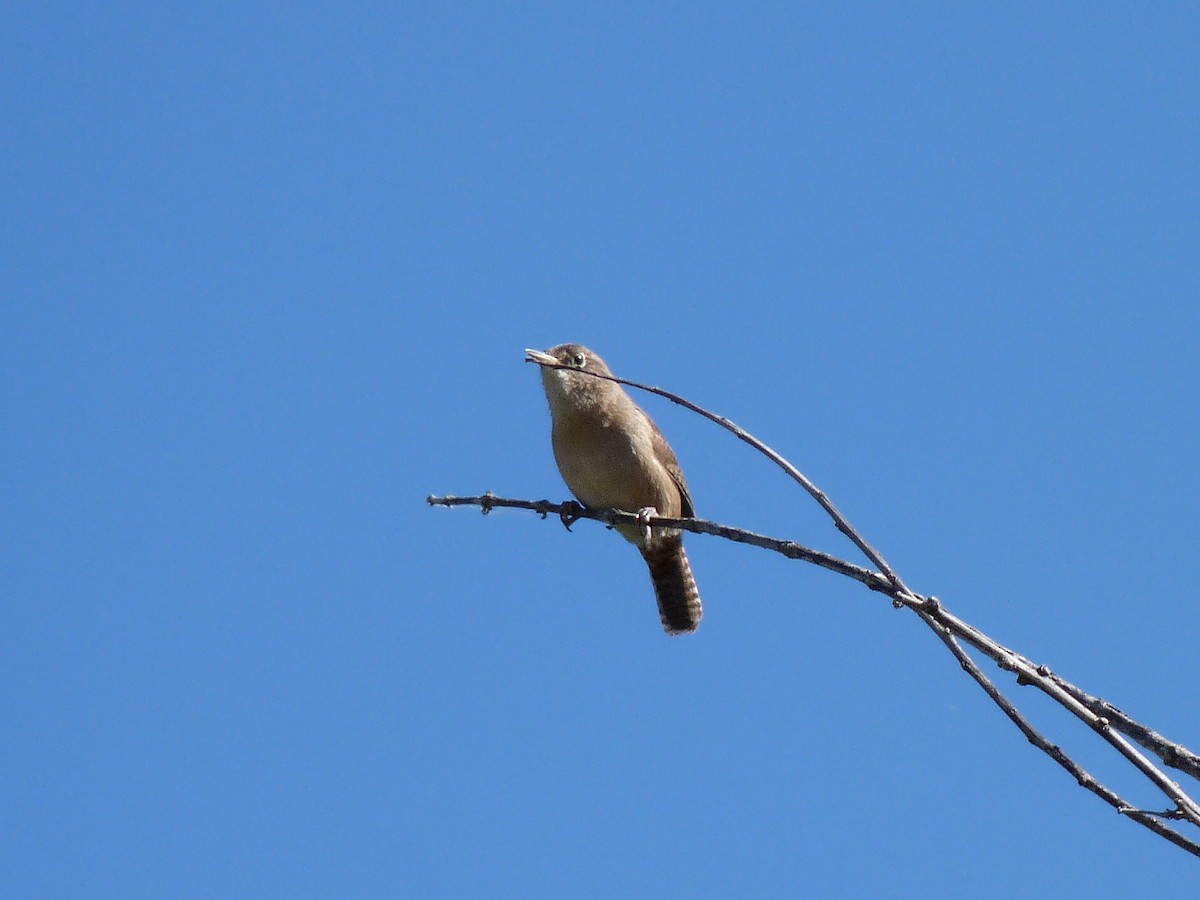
579 360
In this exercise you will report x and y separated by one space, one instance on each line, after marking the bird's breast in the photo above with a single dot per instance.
609 466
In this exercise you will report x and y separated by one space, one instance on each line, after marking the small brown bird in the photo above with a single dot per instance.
611 455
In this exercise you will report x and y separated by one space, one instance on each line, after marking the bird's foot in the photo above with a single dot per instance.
643 519
571 513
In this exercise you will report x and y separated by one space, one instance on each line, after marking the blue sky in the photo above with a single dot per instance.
268 274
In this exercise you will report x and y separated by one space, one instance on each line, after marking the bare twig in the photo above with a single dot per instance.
1109 722
1172 754
1085 780
792 550
949 628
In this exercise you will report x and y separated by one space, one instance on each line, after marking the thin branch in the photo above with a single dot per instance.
1040 676
1082 777
1172 754
948 627
1104 718
570 511
1093 713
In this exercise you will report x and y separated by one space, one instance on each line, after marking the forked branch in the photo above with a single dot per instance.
1115 727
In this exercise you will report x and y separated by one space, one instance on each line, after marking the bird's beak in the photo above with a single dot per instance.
542 359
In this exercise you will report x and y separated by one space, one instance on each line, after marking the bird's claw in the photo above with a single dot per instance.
570 514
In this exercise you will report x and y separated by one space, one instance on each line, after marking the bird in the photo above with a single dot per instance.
612 456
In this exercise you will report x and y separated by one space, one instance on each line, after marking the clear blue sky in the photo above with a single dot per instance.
267 274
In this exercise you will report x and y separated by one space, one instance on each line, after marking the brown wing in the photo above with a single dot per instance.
666 456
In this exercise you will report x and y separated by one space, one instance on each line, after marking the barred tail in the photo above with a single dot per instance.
674 587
